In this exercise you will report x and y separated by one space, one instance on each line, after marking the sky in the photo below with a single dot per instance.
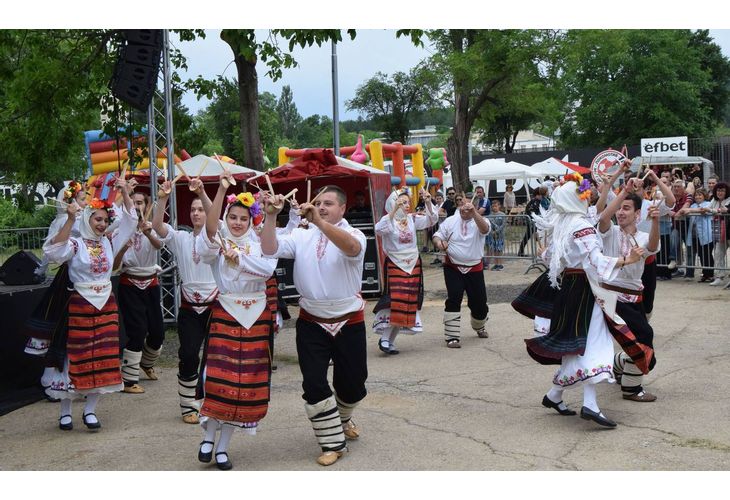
311 82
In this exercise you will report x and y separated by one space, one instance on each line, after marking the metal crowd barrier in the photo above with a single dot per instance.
14 240
695 257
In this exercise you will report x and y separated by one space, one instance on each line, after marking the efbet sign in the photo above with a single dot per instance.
664 146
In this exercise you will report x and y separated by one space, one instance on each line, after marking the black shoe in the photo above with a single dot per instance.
205 457
392 350
588 414
65 427
227 465
91 425
382 347
547 403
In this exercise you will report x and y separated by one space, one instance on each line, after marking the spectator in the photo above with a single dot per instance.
533 207
449 206
679 224
482 204
359 206
545 199
711 183
663 272
719 208
495 238
509 198
699 235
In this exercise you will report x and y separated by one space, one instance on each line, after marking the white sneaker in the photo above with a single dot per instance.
716 282
672 265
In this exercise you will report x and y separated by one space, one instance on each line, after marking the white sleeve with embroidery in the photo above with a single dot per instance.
60 252
256 265
286 248
207 250
385 226
595 264
425 221
125 230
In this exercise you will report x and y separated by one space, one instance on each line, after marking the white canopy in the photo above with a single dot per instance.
497 169
550 166
212 168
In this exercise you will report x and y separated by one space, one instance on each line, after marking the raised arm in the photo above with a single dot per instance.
272 206
604 221
653 214
346 242
213 213
605 189
158 219
65 233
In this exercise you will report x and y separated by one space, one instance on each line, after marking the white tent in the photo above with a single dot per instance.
213 169
550 166
493 169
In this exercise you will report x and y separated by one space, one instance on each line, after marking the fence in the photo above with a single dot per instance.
13 240
513 239
682 246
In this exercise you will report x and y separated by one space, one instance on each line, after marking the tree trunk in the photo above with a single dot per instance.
458 144
248 98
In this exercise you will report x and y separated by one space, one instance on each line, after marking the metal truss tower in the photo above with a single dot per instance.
160 136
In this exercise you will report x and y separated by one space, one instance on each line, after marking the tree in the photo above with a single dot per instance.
622 85
478 68
390 102
289 117
717 95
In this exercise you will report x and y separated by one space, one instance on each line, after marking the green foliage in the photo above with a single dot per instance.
389 102
289 117
11 217
622 85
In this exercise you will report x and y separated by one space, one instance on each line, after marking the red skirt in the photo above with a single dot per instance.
405 294
237 368
93 344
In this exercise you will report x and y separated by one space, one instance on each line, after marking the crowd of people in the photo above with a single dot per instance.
599 285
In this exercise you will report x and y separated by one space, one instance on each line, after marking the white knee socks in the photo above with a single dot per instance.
394 330
589 397
209 436
91 401
226 433
66 410
555 394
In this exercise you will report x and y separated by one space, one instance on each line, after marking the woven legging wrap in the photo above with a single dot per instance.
631 376
186 391
325 418
149 356
345 409
130 366
478 324
452 325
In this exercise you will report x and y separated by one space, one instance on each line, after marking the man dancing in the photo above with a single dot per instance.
461 236
328 264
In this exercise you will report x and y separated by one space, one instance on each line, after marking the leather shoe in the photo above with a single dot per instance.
133 389
91 425
588 414
191 418
384 346
642 397
453 343
227 465
205 457
392 350
350 430
328 457
65 427
547 403
150 372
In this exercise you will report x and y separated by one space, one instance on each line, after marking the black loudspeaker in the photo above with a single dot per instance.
135 73
20 268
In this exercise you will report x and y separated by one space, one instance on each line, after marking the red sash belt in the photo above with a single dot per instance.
186 304
352 318
473 269
130 280
650 259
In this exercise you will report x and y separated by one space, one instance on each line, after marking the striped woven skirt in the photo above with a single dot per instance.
403 297
92 347
237 368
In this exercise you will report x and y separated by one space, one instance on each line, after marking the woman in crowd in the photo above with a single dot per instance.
719 209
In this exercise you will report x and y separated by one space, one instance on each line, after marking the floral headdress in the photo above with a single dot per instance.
97 204
584 185
245 200
73 189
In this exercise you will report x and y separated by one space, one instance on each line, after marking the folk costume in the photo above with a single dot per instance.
463 271
236 369
139 303
399 306
579 339
198 292
648 277
91 361
330 326
630 308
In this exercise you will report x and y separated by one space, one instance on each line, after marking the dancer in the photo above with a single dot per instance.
90 345
328 274
578 338
618 241
139 300
236 369
461 236
399 306
198 291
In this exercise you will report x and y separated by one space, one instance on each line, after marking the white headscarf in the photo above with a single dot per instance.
392 198
557 223
238 240
85 227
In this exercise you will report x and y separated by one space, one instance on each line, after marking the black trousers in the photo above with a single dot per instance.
347 350
191 330
648 279
706 258
142 316
476 292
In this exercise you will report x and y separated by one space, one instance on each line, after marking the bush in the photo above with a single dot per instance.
11 217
